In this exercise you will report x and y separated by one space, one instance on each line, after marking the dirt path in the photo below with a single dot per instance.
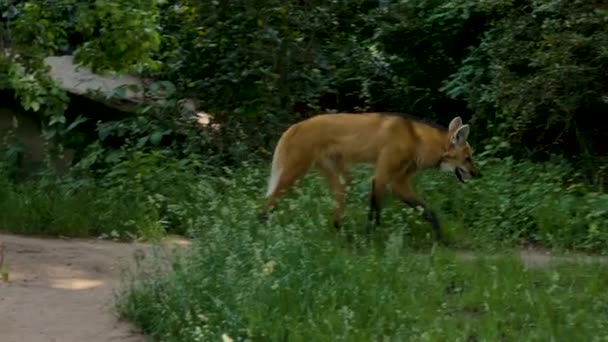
541 258
63 290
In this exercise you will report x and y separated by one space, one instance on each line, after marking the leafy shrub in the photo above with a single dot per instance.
536 70
147 195
250 62
54 207
524 203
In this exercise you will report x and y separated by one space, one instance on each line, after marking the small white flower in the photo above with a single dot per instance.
269 267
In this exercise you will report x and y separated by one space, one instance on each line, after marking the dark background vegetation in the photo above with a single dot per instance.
530 76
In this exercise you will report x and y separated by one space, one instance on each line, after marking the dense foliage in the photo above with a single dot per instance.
151 194
530 74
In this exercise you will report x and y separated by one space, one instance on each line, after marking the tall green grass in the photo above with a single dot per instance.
150 195
294 279
59 208
286 288
146 196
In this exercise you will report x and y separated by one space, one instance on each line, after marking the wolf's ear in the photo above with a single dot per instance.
455 124
461 135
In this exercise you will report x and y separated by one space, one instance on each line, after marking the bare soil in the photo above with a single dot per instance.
532 257
64 290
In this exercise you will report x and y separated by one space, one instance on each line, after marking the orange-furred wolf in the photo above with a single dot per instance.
398 146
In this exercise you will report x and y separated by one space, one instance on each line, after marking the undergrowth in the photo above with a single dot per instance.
151 195
146 196
286 285
296 280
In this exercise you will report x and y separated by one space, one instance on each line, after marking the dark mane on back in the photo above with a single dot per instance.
424 121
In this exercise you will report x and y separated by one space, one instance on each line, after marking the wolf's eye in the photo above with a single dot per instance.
469 159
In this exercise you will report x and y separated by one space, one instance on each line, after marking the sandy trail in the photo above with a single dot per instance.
63 290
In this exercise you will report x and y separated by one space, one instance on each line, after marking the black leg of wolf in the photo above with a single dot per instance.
428 215
263 217
337 225
373 216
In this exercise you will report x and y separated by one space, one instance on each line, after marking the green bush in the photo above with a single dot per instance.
147 195
151 194
535 71
75 209
529 72
524 203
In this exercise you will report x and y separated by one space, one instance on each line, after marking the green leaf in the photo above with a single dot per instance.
57 119
119 92
141 142
156 137
80 119
104 132
114 156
